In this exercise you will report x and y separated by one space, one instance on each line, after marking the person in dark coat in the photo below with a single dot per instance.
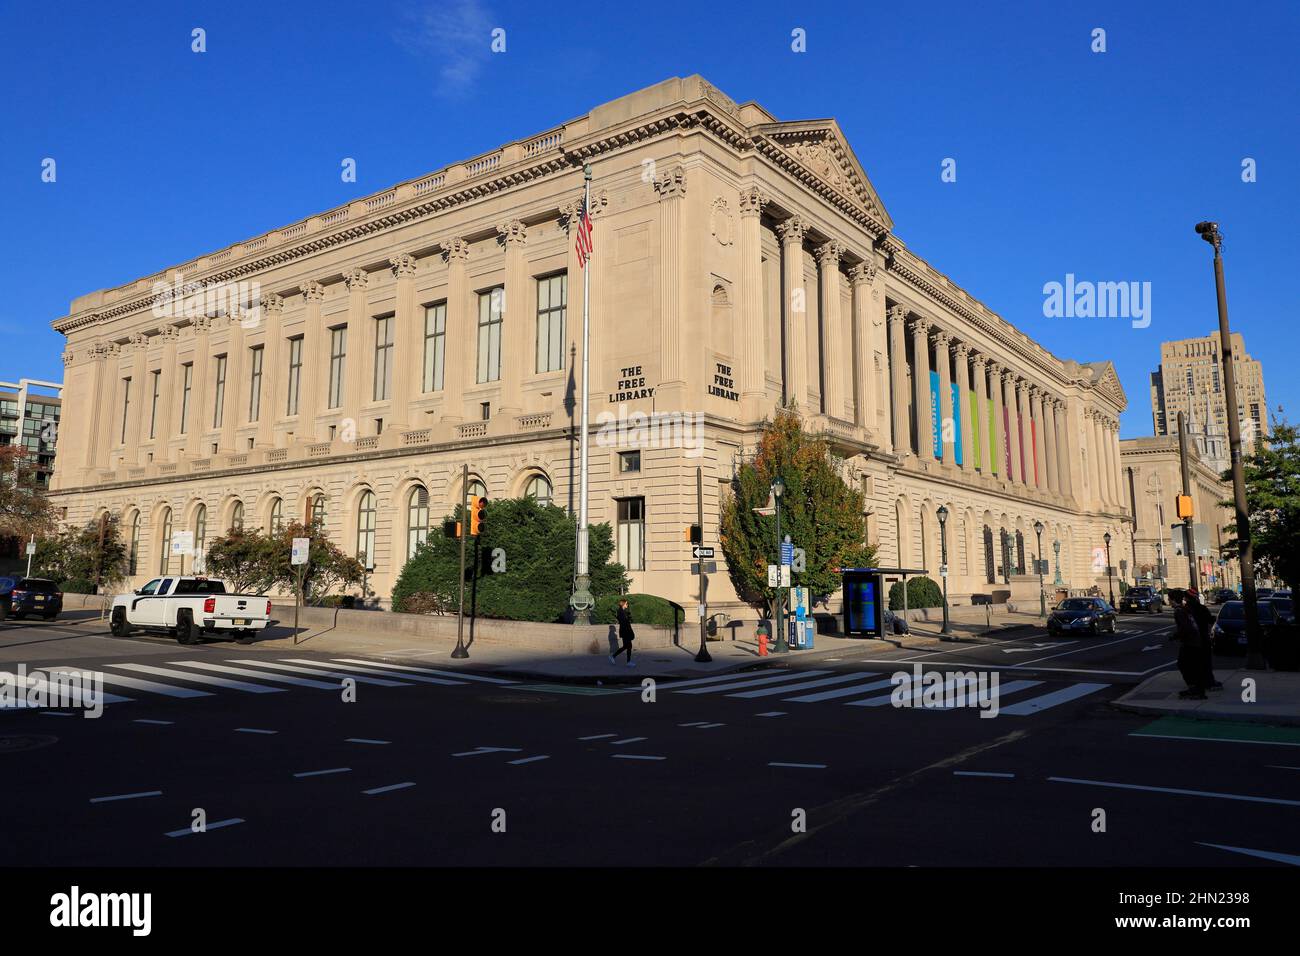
624 633
1204 624
1190 658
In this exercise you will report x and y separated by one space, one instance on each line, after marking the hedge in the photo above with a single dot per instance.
648 609
921 592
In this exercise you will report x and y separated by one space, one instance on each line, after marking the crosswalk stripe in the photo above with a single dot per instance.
718 678
375 671
152 687
751 682
916 694
260 675
1043 702
337 675
459 675
804 685
75 694
1011 687
840 692
200 678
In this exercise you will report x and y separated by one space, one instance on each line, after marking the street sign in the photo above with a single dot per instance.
182 542
700 551
31 547
785 576
943 570
787 553
773 576
710 567
301 548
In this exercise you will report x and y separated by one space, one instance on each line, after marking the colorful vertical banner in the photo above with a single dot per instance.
936 435
1006 440
1033 437
993 439
976 430
1020 433
956 422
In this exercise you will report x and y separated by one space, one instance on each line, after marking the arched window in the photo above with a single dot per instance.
476 487
165 541
989 568
134 553
366 530
237 517
277 515
417 519
200 529
538 487
318 509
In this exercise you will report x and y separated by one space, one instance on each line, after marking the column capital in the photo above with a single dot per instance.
791 230
961 351
1035 391
896 315
312 291
271 302
171 333
863 272
512 233
920 327
202 324
68 358
455 249
138 342
752 201
402 265
829 253
672 184
941 339
356 279
1008 375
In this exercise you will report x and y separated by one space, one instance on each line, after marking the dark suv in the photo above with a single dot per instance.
1142 598
22 596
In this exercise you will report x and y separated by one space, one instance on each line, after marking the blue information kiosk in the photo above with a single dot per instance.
865 598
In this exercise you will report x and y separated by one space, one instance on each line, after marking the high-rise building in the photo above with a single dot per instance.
29 416
1190 380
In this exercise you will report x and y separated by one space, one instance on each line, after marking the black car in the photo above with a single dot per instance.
1222 596
1230 628
22 596
1285 608
1142 598
1090 614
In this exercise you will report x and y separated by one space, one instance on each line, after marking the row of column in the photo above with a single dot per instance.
1104 471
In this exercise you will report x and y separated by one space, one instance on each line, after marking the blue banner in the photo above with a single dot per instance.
936 432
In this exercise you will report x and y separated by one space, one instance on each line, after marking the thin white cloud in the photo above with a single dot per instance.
457 34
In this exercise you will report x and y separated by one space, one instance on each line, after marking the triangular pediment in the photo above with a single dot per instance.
1106 380
821 148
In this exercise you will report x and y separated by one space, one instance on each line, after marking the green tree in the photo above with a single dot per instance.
244 560
252 562
1272 474
536 543
819 510
24 509
75 559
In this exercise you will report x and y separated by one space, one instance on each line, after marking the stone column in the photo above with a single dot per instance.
360 349
168 392
828 262
1064 463
1047 404
998 437
671 187
199 421
315 358
408 344
921 388
1094 459
139 347
961 358
985 438
274 388
1034 464
795 307
236 395
1112 455
753 390
460 340
1014 472
519 322
95 447
865 386
948 449
897 318
1026 435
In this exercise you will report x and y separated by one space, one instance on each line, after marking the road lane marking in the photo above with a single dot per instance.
458 675
373 671
800 766
636 757
254 730
201 679
733 677
981 773
388 789
598 736
802 685
211 826
260 675
710 726
321 773
365 740
626 740
750 682
1035 705
523 760
1273 855
153 687
694 723
839 692
772 713
317 672
127 796
1176 790
161 722
478 751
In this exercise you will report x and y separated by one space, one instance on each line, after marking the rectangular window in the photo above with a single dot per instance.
489 334
295 373
187 384
631 533
153 404
126 405
552 301
383 358
219 393
629 461
435 345
255 383
338 360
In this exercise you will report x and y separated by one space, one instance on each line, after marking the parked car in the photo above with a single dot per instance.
1262 593
190 608
1284 607
34 596
1230 626
1221 596
6 598
1091 614
1142 598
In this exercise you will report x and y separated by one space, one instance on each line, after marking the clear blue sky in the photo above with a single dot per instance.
1068 161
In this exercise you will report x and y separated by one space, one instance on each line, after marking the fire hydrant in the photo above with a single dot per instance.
762 640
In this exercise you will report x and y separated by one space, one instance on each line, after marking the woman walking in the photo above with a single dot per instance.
624 633
1190 655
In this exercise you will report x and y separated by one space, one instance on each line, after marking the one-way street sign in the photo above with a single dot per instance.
700 551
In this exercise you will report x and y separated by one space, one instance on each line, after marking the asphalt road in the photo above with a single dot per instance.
432 766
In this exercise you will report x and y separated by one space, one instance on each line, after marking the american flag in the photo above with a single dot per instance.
583 243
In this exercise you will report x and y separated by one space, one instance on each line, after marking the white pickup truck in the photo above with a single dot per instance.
188 608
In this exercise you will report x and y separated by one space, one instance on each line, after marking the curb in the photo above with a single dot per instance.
1155 710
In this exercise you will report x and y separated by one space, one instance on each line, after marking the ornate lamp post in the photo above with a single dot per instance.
1038 559
942 515
1110 582
1056 547
781 647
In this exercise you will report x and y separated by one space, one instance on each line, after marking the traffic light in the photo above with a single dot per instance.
693 535
451 529
1184 506
477 514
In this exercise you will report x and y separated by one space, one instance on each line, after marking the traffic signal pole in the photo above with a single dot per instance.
1189 541
460 653
703 657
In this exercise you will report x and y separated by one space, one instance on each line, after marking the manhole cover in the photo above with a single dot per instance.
12 743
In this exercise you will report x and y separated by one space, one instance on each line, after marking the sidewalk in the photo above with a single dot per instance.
1277 698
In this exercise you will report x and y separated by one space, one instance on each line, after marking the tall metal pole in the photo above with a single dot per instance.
582 600
781 646
703 656
1133 511
1040 561
1209 231
1188 538
460 653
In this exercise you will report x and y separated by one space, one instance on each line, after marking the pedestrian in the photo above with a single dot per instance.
624 633
1204 624
1188 635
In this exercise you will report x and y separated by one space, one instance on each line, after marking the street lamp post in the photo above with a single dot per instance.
1056 547
1110 580
1209 231
778 491
1042 591
942 514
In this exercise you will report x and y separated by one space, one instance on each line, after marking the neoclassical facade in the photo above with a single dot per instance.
349 365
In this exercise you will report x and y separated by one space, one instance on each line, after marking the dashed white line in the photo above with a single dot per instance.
364 740
478 751
636 757
981 773
523 760
211 826
772 713
802 766
711 726
626 740
598 736
389 788
127 796
159 722
254 730
1177 790
321 773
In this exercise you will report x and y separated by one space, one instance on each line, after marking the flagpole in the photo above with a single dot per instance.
582 599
